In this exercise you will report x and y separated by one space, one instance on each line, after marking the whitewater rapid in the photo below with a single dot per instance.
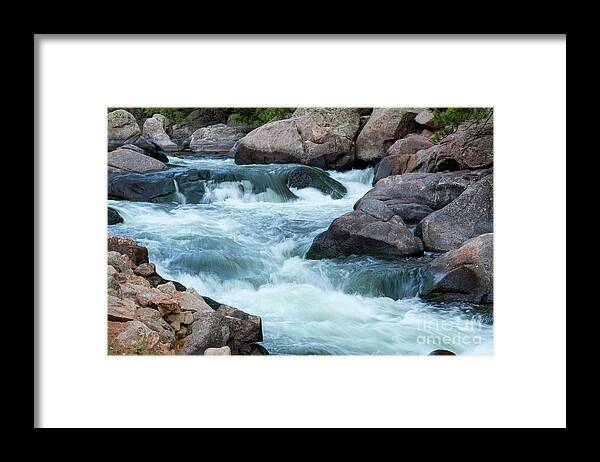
247 249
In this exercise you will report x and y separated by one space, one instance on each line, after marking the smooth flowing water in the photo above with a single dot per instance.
245 246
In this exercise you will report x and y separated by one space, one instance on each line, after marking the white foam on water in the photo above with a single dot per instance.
247 250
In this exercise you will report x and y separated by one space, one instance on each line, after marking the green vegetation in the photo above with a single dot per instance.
254 116
450 118
257 116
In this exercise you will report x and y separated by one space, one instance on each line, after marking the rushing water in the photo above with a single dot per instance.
246 248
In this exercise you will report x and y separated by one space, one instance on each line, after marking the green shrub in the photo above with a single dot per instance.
450 118
174 114
257 116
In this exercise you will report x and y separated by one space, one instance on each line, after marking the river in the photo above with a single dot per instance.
246 249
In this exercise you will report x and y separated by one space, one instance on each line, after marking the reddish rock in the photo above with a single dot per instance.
129 247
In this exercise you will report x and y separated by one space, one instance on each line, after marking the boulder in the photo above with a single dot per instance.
120 310
138 338
321 137
243 327
384 127
140 144
310 177
154 130
114 217
409 145
464 274
123 245
145 270
158 186
116 261
154 321
190 300
223 351
215 139
176 320
126 159
122 126
425 118
163 120
469 215
141 187
365 233
398 156
258 350
469 147
198 118
413 196
441 353
209 330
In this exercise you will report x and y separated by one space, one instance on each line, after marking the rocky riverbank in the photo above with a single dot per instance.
148 314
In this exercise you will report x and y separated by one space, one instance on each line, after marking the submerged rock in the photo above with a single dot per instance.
464 274
320 137
470 215
160 187
441 353
114 217
310 177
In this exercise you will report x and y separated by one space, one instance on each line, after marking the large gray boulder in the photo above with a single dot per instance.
154 131
130 159
122 126
198 118
469 147
398 155
470 215
215 139
365 233
413 196
209 330
384 127
464 274
320 137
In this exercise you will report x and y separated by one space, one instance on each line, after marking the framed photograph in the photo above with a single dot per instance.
326 230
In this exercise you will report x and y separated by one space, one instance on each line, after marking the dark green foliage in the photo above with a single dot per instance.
257 116
175 115
451 117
